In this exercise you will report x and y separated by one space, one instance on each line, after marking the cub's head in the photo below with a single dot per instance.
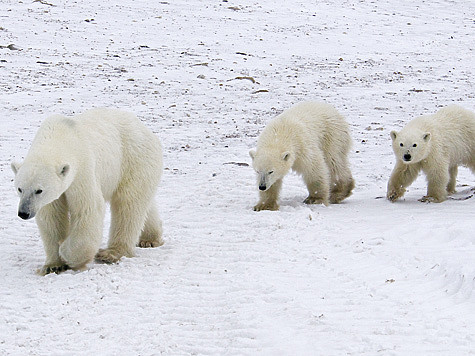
411 147
38 185
270 166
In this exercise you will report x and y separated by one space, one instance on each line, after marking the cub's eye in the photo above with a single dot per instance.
414 145
39 191
271 172
401 144
19 190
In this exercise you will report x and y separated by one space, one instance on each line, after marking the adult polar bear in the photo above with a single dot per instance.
436 144
312 139
77 164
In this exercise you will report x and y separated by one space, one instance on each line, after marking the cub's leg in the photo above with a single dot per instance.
438 180
452 180
402 176
317 180
343 182
268 198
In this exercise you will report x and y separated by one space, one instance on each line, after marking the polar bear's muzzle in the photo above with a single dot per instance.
407 157
24 211
263 182
24 215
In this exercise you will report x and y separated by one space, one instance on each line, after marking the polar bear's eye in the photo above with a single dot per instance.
414 145
19 190
271 172
401 144
39 191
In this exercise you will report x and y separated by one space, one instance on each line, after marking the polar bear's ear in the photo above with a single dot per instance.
63 170
393 135
426 137
15 167
286 156
252 153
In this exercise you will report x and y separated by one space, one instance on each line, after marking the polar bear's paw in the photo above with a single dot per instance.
429 199
395 194
53 268
267 206
150 243
108 255
316 200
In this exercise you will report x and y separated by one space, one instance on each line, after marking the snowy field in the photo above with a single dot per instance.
365 277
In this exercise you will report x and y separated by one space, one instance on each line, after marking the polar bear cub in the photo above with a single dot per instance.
75 165
311 139
436 144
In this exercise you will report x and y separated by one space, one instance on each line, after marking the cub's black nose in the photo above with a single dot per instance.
23 215
407 157
262 187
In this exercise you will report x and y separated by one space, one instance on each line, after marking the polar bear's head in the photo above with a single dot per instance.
411 147
38 185
271 166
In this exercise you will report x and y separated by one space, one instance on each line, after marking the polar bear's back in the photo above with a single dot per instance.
312 125
452 124
108 131
314 116
454 117
111 144
123 145
116 122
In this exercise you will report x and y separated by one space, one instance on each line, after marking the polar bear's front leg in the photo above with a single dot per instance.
85 234
402 176
268 198
437 182
53 223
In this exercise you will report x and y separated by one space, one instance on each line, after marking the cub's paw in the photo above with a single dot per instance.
429 199
108 255
394 195
266 206
150 243
336 198
315 200
53 268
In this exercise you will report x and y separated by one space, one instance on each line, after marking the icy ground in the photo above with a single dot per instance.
365 277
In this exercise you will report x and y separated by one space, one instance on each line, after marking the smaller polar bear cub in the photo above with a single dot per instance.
436 144
311 139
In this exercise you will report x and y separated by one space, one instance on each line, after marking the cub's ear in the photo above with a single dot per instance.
393 135
15 167
252 153
63 170
286 156
426 137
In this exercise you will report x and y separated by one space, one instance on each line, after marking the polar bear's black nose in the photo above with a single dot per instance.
23 215
407 157
262 187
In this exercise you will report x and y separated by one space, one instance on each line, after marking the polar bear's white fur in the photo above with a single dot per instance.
75 165
436 144
312 139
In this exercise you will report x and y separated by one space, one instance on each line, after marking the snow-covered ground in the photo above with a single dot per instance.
365 277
